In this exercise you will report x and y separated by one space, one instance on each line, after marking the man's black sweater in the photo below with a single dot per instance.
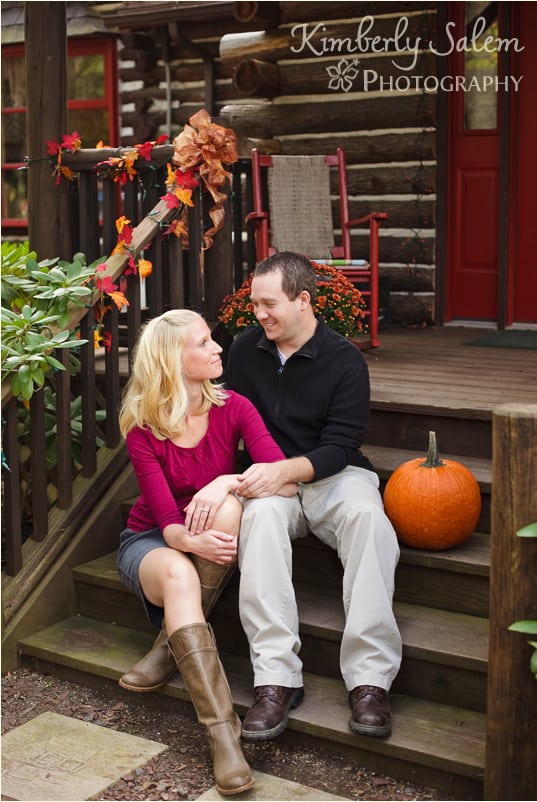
316 405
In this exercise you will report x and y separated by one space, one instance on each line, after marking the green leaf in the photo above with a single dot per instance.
15 385
528 531
26 383
529 627
533 663
54 363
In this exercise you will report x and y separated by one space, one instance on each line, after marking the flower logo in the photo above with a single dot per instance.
343 74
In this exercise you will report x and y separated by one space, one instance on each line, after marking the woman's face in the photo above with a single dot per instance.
201 354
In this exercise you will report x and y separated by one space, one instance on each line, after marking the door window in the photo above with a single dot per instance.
481 62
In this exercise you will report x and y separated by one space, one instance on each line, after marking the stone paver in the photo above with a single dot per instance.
59 758
273 789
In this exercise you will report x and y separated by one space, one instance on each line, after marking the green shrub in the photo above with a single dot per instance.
37 299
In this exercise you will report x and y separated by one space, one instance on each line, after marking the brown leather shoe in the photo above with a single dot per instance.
267 717
371 712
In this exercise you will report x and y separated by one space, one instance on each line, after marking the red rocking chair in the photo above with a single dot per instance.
299 218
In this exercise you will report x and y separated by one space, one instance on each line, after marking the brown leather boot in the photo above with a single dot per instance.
197 659
153 670
371 711
213 579
158 666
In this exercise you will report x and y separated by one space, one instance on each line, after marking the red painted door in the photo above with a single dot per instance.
473 182
522 296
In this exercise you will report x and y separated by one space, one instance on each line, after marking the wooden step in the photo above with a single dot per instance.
386 459
405 423
455 579
435 744
445 652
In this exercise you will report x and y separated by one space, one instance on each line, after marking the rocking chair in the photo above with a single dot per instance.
293 212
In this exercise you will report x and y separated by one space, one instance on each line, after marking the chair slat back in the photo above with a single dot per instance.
300 205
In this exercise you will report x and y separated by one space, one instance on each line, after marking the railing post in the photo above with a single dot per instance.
511 748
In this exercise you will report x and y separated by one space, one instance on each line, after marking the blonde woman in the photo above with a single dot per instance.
182 430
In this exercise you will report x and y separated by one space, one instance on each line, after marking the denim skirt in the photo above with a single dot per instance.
133 546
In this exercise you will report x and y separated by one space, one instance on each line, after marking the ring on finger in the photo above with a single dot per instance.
205 509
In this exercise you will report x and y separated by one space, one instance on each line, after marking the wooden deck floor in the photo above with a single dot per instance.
434 367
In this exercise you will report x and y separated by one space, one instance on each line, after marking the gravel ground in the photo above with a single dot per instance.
184 770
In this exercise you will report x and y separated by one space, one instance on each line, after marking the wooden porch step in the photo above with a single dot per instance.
455 579
445 652
386 459
431 743
405 422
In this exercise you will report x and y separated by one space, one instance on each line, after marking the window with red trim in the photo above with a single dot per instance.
92 110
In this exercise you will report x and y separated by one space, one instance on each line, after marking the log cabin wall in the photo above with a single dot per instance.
301 78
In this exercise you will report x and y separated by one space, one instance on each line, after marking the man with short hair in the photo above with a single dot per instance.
311 386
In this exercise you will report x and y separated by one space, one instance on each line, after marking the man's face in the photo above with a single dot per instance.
281 318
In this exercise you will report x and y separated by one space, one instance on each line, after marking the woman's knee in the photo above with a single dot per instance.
228 517
166 572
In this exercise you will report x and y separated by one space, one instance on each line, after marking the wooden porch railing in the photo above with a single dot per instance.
180 278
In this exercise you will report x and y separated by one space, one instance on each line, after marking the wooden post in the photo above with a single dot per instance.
511 748
46 86
219 268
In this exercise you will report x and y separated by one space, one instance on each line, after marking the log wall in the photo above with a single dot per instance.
283 75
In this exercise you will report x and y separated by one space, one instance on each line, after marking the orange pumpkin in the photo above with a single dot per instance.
433 504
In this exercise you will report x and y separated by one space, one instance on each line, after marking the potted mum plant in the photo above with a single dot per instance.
338 302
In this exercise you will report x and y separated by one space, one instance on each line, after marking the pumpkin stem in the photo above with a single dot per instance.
432 460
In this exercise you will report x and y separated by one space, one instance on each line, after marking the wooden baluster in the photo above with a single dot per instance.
89 216
112 383
87 391
153 188
64 468
195 255
134 314
12 490
38 466
176 272
111 212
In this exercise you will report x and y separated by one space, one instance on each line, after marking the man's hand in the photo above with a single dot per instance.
262 479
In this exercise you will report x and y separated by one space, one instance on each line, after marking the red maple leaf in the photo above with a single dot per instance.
145 150
105 285
72 141
53 148
186 179
171 201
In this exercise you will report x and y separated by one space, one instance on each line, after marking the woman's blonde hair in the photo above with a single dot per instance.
155 395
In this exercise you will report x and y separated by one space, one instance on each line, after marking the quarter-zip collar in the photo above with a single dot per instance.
310 349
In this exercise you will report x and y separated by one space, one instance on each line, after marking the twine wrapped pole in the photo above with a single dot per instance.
511 747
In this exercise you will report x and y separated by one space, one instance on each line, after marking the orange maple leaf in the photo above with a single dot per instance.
118 298
144 267
121 222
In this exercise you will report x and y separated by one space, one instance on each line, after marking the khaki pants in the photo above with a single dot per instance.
345 511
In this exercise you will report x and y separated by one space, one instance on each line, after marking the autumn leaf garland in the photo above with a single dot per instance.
200 152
